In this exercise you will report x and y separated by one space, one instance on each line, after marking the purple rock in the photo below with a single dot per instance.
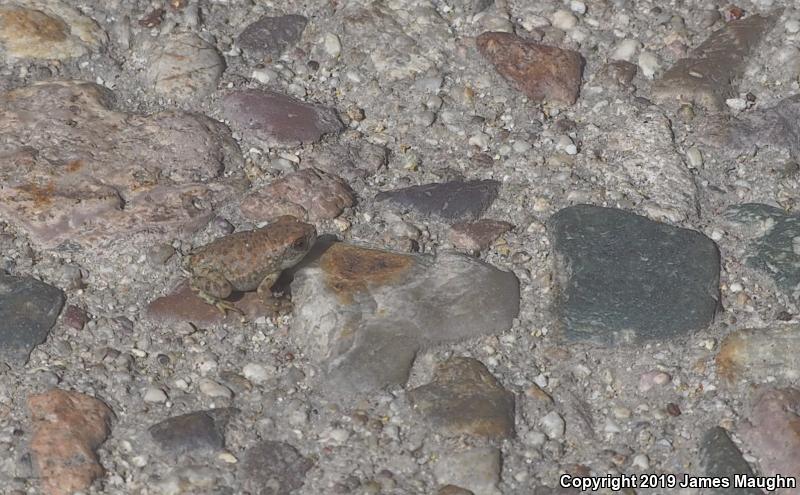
277 119
271 36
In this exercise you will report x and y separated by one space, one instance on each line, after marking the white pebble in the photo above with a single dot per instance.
521 146
265 75
332 45
652 378
535 438
338 435
154 394
625 50
481 140
648 62
577 7
214 389
612 427
695 157
553 425
792 26
737 104
641 461
564 20
736 287
716 235
255 373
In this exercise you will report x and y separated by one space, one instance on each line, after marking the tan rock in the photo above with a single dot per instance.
464 398
185 67
309 194
47 29
68 427
544 73
756 354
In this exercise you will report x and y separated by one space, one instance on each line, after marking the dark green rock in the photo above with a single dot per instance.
773 249
28 310
720 457
621 277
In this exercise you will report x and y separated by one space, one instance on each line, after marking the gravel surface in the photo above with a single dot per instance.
555 240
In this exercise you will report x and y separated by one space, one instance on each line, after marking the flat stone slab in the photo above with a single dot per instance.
710 74
276 119
28 310
777 127
621 277
47 30
464 398
273 468
307 194
362 314
542 72
271 36
774 246
721 458
456 200
759 355
74 170
198 432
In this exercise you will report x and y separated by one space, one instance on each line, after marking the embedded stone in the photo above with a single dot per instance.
271 36
456 200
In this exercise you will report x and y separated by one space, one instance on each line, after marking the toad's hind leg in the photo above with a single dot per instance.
265 292
213 288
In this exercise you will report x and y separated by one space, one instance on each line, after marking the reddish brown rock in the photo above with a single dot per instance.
75 170
276 119
544 73
68 427
182 304
477 236
308 194
773 433
75 317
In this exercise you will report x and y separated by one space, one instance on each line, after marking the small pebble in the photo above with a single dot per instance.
553 425
641 461
564 20
695 157
737 104
648 63
213 389
154 394
332 45
626 50
255 373
652 378
578 7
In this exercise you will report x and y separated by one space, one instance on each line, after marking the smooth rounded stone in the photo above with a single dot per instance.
648 63
553 425
273 468
307 194
772 127
269 37
464 398
67 427
620 277
758 355
626 50
652 379
456 200
74 317
255 372
477 236
185 67
275 119
362 314
182 304
476 469
720 458
543 73
771 433
98 175
564 20
154 394
28 309
199 432
350 161
213 389
707 76
617 74
47 29
773 248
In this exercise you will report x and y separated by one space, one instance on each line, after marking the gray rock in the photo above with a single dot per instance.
278 120
775 247
621 277
271 36
198 432
709 75
185 67
464 398
28 310
456 200
476 469
273 468
777 126
362 314
720 457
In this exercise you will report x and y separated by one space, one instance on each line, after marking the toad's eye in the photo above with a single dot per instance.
299 244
